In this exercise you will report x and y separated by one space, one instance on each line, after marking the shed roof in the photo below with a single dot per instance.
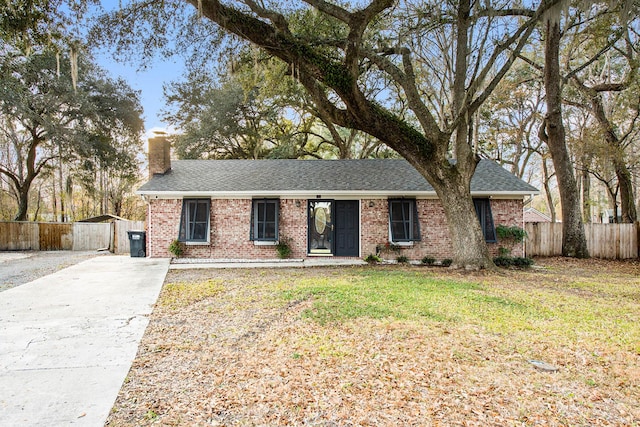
280 177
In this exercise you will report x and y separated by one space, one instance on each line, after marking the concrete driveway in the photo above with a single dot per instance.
67 340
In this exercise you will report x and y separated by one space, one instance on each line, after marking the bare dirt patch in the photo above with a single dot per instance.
234 351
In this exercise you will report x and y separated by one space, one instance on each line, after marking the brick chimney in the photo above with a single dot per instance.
159 155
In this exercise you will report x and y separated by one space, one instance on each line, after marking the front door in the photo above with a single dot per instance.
347 228
321 227
334 227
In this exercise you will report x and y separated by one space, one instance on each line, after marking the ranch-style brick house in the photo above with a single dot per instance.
239 209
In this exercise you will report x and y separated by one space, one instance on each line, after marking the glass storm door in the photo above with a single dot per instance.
321 227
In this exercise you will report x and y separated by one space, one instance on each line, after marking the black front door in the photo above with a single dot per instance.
347 228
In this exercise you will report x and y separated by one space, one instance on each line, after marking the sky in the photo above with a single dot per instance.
149 82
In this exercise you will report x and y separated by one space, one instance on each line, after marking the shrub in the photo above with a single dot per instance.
508 261
514 234
446 262
524 262
373 259
402 259
503 261
504 252
176 248
283 248
428 260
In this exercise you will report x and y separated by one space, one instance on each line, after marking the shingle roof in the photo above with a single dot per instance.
317 177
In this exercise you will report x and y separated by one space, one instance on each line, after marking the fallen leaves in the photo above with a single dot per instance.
242 356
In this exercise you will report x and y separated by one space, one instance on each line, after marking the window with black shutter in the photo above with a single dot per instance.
194 220
264 220
403 220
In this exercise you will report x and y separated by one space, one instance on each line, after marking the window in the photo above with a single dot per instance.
483 210
194 221
403 220
264 220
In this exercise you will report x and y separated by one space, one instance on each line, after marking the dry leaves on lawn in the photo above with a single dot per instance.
245 356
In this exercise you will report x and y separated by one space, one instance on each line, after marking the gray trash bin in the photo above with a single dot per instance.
137 244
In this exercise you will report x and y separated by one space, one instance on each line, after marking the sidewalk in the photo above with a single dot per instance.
189 263
67 340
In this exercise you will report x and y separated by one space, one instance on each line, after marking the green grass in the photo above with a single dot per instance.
549 311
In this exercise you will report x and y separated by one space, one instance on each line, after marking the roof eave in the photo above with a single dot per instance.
322 194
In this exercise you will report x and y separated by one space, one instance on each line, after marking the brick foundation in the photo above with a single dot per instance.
230 222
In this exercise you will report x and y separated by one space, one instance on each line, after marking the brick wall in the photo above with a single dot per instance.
433 228
230 222
229 229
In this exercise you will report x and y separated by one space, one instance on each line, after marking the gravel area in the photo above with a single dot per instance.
18 268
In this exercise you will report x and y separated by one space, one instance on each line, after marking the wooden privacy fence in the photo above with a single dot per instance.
77 236
611 241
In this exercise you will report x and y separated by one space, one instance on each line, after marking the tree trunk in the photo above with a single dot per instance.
586 193
63 215
627 201
574 242
547 190
469 247
625 181
23 203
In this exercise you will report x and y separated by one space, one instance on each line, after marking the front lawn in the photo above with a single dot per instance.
391 346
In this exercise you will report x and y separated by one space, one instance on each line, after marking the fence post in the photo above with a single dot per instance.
638 238
112 240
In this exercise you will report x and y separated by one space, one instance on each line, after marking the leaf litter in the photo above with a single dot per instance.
238 354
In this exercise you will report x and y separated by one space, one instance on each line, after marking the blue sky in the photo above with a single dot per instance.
148 81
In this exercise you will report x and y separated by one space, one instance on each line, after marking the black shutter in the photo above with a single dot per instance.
182 231
251 226
483 210
416 224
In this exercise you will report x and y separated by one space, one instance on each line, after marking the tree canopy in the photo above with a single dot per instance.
410 74
45 118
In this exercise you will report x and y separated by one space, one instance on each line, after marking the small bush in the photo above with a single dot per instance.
503 261
373 259
176 248
283 248
402 259
507 261
446 262
524 262
428 260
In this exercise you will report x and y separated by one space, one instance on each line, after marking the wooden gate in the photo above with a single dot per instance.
56 237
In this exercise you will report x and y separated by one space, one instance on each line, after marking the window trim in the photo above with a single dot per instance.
184 237
485 217
411 224
255 221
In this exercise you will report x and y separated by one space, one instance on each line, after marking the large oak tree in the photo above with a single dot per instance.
44 114
440 60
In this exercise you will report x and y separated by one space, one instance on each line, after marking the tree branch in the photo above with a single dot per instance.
279 21
406 80
331 10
